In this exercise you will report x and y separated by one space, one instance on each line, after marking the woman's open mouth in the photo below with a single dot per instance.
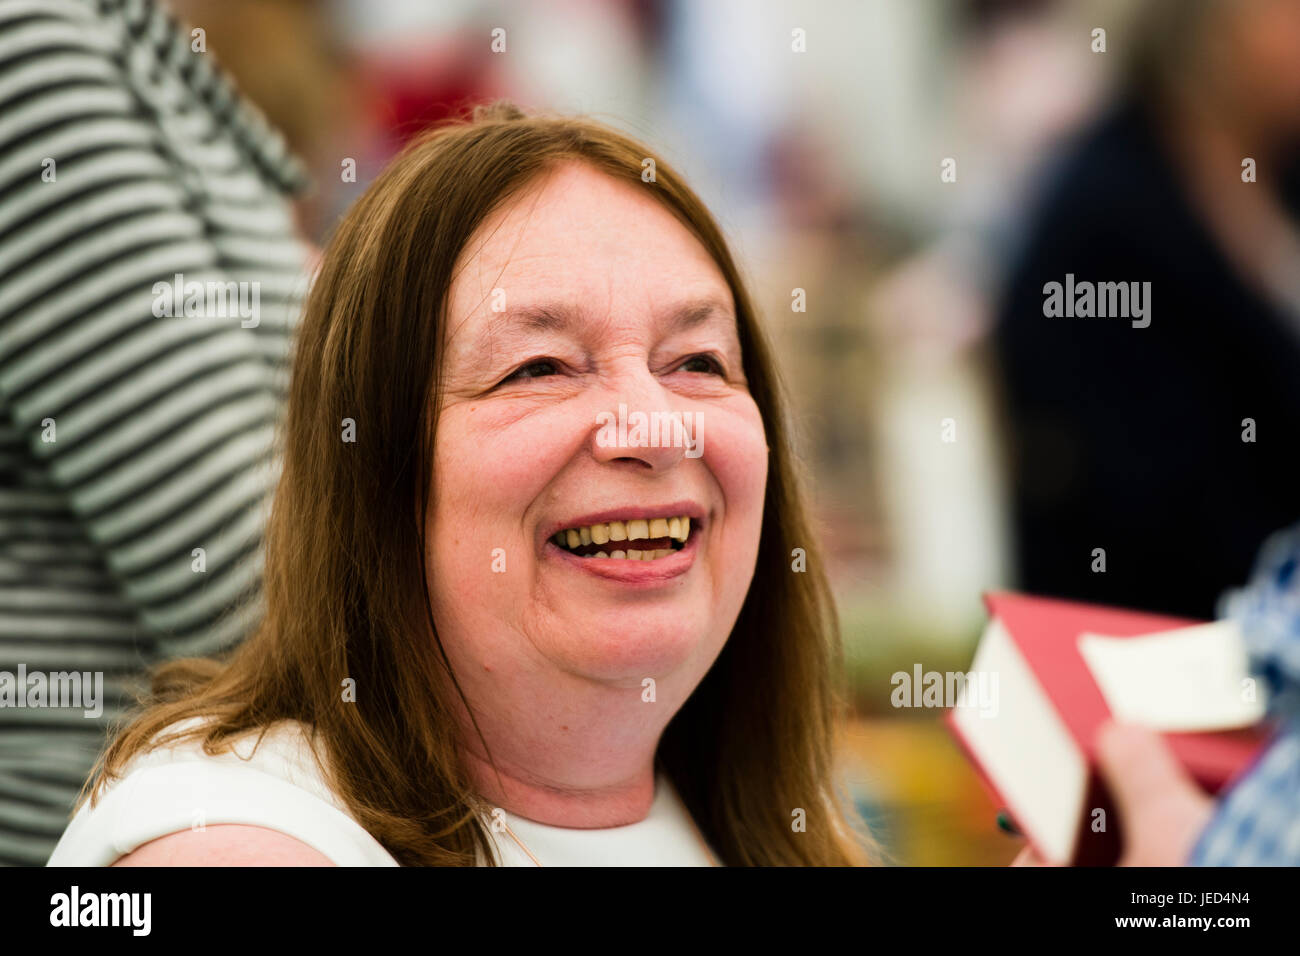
637 551
640 539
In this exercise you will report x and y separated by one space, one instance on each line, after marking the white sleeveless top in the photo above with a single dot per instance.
279 786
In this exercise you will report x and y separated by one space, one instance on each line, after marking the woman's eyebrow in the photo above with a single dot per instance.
696 314
514 327
521 323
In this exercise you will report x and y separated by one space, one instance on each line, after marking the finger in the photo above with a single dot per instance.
1161 807
1140 769
1027 857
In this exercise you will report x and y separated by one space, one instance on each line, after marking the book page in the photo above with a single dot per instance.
1191 679
1026 749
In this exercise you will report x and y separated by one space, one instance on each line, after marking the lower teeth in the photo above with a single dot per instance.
633 555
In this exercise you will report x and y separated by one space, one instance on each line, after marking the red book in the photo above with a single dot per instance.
1058 671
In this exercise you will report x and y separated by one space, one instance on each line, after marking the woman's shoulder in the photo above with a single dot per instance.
268 778
284 750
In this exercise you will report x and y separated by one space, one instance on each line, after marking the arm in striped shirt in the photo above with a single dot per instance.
157 428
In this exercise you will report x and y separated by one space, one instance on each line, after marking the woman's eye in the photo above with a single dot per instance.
702 363
538 369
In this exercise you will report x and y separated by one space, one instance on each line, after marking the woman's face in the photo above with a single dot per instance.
581 296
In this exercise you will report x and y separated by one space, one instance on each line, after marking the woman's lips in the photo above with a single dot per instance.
633 522
630 571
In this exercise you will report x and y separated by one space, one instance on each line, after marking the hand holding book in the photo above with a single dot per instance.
1164 810
1086 794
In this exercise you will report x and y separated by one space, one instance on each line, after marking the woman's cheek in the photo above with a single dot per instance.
493 467
489 453
735 449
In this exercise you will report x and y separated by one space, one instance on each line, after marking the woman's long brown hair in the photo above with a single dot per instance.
345 579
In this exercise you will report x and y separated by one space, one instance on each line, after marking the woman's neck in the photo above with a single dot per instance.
585 762
519 791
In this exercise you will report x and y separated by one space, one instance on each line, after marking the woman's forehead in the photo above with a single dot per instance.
582 247
578 225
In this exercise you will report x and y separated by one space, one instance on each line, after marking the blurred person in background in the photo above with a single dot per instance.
288 58
135 424
1170 447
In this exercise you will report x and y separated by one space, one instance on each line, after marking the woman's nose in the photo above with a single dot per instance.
641 422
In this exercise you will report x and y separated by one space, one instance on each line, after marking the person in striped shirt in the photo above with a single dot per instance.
136 425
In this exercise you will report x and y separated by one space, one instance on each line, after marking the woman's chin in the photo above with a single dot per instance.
631 647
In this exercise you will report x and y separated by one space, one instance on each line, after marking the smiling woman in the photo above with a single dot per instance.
461 661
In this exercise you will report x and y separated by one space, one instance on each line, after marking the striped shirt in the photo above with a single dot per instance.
136 425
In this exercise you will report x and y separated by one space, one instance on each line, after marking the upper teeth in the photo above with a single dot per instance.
678 528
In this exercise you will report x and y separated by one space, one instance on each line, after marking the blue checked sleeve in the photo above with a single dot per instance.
1257 823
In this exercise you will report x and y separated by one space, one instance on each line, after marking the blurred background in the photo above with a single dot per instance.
958 440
